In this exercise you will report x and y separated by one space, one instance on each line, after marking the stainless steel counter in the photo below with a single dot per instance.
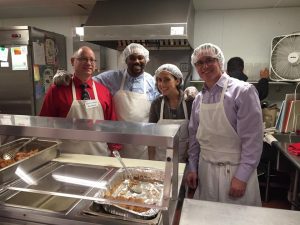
281 143
75 216
106 131
214 213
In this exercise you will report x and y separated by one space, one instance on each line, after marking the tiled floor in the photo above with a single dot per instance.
277 199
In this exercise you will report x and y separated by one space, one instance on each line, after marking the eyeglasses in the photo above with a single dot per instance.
86 60
208 61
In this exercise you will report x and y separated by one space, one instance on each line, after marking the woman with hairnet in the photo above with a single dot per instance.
225 134
170 108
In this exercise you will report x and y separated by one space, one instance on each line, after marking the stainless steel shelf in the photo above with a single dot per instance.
90 130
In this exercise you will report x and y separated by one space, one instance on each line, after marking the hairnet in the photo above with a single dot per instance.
135 48
208 49
172 69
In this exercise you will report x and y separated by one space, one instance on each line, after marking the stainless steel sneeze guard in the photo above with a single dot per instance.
108 131
89 130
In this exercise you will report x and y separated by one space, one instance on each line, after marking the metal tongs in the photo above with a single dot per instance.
135 187
10 154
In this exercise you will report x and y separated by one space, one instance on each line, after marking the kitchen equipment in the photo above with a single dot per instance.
155 29
68 185
11 153
135 187
169 37
285 58
29 60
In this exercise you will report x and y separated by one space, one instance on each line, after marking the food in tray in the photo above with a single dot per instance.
138 209
19 156
151 192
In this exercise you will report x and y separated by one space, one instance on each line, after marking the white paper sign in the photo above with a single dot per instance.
4 64
38 53
19 58
3 54
177 31
6 120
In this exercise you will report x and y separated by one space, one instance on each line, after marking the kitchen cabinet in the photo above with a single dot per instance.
74 200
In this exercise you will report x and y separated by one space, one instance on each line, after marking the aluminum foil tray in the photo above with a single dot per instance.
47 150
151 181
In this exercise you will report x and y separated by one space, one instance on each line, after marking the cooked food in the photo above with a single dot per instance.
151 193
19 156
5 163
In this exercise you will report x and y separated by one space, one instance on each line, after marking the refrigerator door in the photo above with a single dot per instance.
29 58
16 82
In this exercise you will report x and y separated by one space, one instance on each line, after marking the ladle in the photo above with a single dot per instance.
133 188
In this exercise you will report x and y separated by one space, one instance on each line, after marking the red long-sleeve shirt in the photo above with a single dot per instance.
58 101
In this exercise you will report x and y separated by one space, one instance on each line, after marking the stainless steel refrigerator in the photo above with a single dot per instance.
29 57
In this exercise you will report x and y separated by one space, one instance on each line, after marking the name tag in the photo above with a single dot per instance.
91 104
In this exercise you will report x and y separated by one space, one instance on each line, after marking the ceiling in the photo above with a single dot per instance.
48 8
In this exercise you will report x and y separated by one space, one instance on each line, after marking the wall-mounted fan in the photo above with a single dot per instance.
285 58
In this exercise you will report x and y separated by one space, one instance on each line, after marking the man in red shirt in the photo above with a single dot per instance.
81 99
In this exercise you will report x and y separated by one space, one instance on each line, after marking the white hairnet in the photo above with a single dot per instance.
208 49
172 69
135 48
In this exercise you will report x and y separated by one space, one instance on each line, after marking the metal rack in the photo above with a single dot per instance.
106 131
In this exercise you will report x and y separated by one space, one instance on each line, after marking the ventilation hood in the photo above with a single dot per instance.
156 24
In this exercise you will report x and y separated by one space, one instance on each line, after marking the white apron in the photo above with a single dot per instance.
220 157
183 134
132 107
85 109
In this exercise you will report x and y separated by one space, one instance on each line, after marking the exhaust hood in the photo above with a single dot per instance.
156 24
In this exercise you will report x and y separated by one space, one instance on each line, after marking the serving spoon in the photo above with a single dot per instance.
133 188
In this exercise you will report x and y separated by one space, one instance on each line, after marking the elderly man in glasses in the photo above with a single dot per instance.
225 134
82 98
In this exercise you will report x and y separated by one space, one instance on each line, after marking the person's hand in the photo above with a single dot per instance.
264 73
190 93
237 188
62 77
192 180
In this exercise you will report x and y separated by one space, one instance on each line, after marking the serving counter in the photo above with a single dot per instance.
215 213
45 180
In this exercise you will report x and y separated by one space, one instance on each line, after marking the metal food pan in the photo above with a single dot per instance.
97 210
118 179
41 201
47 151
